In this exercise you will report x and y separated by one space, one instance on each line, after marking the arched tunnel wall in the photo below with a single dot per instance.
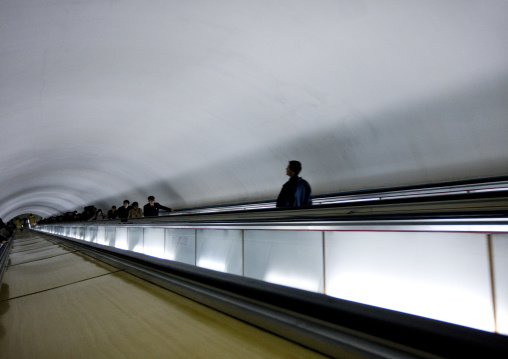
200 103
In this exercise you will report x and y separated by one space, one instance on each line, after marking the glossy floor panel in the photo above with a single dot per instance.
35 244
26 240
121 316
45 274
31 255
26 236
20 244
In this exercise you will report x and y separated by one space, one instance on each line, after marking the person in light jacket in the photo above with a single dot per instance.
135 212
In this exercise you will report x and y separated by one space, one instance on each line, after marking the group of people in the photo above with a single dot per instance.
6 230
126 211
294 193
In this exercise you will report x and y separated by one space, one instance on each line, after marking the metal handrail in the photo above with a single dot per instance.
364 196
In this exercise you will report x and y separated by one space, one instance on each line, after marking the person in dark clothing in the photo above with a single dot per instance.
296 192
112 213
88 212
151 209
4 233
123 212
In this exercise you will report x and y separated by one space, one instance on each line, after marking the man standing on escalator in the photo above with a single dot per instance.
296 192
151 209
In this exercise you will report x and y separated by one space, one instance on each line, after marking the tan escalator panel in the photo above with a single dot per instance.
59 303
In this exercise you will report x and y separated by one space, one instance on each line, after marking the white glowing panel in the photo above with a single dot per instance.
101 235
135 240
219 250
87 234
181 245
80 233
500 249
121 238
154 242
443 276
91 234
110 236
290 258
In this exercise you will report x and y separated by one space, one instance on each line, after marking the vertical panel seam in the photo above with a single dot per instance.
492 279
324 263
243 252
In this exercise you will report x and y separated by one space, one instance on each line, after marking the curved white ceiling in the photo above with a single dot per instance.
204 102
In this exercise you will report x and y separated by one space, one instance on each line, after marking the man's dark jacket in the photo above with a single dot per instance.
112 215
123 212
295 193
153 211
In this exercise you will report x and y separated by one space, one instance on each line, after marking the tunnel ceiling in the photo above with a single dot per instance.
204 102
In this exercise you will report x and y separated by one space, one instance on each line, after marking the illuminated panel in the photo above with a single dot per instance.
443 276
181 245
154 242
219 250
101 235
81 233
110 236
290 258
87 235
500 249
121 238
135 240
91 234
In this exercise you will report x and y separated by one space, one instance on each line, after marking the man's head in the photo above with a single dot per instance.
151 200
135 205
126 203
113 208
293 168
